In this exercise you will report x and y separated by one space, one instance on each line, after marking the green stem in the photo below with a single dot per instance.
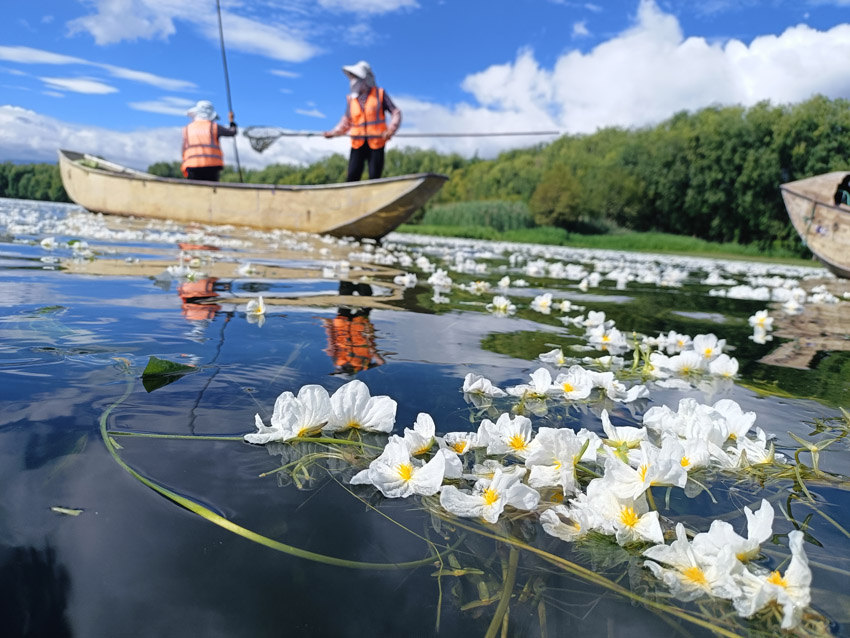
230 526
505 599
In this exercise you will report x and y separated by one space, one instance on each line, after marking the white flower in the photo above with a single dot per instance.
724 366
489 497
761 336
629 436
353 408
539 388
761 320
628 519
256 308
792 591
408 280
542 303
555 357
476 384
398 475
575 384
655 466
553 457
721 535
579 521
293 416
691 574
509 435
501 306
708 346
420 439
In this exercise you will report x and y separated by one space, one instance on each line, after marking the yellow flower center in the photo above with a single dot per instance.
303 432
568 387
405 471
776 578
422 450
517 442
708 352
490 496
628 516
557 465
695 575
459 446
606 338
685 462
642 471
354 425
686 369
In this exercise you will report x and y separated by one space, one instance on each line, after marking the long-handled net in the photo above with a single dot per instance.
261 137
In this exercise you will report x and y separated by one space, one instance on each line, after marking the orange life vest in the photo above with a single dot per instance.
351 342
200 145
367 124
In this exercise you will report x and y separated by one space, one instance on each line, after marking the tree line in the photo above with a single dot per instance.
712 174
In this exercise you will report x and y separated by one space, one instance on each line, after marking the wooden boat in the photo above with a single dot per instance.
823 226
367 209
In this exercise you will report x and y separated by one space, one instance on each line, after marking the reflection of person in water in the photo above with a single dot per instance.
351 335
197 295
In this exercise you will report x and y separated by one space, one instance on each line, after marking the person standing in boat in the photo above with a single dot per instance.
365 122
202 156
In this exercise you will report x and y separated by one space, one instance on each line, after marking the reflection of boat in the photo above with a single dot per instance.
823 225
370 208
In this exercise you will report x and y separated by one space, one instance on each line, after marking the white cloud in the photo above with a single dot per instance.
115 21
269 40
28 55
580 29
166 105
651 71
167 84
368 6
27 135
638 77
311 113
79 85
284 74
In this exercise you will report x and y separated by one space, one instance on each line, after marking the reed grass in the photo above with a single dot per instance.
498 215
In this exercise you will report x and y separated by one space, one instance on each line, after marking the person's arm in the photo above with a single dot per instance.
230 131
342 126
395 114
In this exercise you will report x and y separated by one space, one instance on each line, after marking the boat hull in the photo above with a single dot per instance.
367 209
823 226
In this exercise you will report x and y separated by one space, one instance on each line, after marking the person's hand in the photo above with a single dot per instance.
386 135
328 134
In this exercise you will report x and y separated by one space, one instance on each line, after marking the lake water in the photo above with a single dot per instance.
106 532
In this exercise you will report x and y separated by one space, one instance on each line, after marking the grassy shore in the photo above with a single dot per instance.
638 242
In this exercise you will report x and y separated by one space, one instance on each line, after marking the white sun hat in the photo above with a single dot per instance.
360 70
203 110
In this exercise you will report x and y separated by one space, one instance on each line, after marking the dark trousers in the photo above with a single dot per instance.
204 173
360 157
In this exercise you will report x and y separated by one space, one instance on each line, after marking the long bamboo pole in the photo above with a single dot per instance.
227 86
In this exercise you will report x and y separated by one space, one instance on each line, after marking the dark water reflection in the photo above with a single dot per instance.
135 563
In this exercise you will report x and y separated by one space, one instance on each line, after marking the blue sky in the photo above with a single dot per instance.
114 77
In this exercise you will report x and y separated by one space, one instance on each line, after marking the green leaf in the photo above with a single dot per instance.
161 372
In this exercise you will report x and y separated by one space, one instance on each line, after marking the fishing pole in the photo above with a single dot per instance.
261 137
227 85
